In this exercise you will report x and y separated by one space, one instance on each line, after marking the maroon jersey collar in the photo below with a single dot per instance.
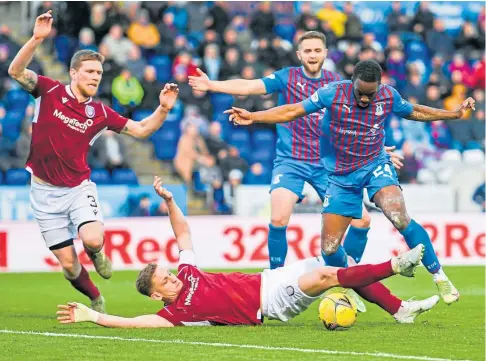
71 94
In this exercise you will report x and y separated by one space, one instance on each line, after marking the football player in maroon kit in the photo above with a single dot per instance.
67 121
194 297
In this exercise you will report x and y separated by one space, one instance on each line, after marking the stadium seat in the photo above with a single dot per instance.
199 187
426 176
451 156
417 50
12 124
176 113
163 67
221 102
65 46
473 157
263 178
165 143
17 99
17 177
100 176
263 154
240 138
263 138
1 177
285 31
124 176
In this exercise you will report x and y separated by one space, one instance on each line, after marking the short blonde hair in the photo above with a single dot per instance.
84 55
144 279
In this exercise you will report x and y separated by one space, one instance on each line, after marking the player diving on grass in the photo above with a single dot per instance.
67 121
355 111
298 146
194 297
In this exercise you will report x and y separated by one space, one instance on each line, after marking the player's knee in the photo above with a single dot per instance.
70 267
330 247
399 219
93 240
278 220
364 222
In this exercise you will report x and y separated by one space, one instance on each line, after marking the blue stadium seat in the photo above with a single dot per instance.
416 50
100 176
163 66
176 113
199 186
263 178
124 176
285 31
221 102
17 99
240 138
65 47
1 177
141 114
263 138
263 154
12 124
165 143
17 177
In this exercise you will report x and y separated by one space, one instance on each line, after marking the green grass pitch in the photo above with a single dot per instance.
28 303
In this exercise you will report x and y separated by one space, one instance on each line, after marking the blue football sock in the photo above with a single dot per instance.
277 245
355 242
337 259
414 235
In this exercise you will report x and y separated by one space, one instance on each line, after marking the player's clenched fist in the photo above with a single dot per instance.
161 191
168 96
43 25
239 116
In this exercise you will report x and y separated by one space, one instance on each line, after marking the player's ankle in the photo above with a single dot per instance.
440 276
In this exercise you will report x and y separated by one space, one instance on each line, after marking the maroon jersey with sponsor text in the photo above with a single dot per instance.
215 298
63 129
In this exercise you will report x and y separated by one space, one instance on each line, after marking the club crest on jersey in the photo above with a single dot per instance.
379 109
90 111
315 97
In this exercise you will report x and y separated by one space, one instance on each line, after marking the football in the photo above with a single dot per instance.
336 311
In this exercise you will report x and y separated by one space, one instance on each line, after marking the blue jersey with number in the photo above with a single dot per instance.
356 135
301 138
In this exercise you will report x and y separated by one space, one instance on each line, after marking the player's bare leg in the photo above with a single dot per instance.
282 203
390 201
79 277
93 238
314 283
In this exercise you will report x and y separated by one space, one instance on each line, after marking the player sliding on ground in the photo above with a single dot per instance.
354 123
66 123
194 297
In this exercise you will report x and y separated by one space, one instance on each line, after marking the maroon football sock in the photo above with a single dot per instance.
364 275
84 285
380 295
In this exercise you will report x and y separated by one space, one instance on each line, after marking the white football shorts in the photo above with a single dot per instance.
61 210
282 298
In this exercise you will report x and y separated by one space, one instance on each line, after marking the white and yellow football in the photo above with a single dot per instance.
337 311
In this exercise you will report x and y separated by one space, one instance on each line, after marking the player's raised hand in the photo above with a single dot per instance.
43 25
168 96
239 116
395 158
75 312
161 191
467 104
200 82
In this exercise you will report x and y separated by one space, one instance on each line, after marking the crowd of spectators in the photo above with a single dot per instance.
148 43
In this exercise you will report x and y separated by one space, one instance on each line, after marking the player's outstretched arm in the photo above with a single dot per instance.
233 86
178 222
423 113
18 68
75 312
148 126
281 114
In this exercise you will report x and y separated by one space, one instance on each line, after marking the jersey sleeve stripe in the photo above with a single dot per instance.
104 111
54 87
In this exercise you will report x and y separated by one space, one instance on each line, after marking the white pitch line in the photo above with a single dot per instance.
218 344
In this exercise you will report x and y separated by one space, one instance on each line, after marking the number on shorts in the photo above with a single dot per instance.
385 170
93 201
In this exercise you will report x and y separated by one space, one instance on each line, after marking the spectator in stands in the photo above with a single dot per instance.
185 90
369 41
232 64
307 19
335 18
110 71
198 13
255 175
414 88
193 116
478 127
438 77
348 60
136 63
423 21
262 20
209 172
408 173
4 62
438 41
127 90
479 71
161 210
353 27
143 207
201 101
210 37
460 64
181 15
397 20
22 145
244 36
432 98
190 150
397 69
168 32
265 53
458 95
232 161
118 46
394 133
211 62
144 33
151 88
98 22
468 40
230 40
479 197
184 63
235 178
87 40
214 139
282 49
440 135
218 18
108 152
251 58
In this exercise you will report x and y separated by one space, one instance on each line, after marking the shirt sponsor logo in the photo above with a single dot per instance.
347 131
194 284
73 123
301 85
348 108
